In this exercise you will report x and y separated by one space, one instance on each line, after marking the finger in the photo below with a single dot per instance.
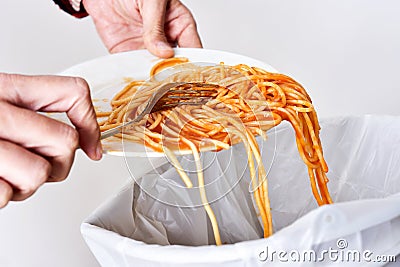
153 14
57 94
22 169
190 37
42 135
6 193
128 44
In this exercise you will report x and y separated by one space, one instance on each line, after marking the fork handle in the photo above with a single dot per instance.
111 132
115 130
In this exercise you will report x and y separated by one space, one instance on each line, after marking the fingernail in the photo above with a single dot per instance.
99 151
163 46
3 201
6 194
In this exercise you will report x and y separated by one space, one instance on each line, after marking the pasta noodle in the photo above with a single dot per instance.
249 102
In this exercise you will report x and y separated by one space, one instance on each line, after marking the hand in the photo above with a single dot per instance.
35 149
125 25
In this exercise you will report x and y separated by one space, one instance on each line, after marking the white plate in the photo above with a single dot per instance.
107 75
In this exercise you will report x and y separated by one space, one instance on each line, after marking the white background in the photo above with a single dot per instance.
345 52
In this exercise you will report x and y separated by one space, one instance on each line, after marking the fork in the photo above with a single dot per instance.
169 96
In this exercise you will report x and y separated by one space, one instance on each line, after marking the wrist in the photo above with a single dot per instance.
72 7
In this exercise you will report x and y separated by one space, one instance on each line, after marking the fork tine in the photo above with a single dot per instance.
167 106
200 91
188 97
186 94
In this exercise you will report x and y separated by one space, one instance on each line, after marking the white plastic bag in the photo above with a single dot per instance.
363 154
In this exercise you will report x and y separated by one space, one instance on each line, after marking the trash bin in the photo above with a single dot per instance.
133 228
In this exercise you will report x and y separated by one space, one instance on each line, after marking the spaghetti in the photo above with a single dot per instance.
249 102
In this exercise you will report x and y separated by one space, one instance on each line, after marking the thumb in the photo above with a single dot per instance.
153 15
